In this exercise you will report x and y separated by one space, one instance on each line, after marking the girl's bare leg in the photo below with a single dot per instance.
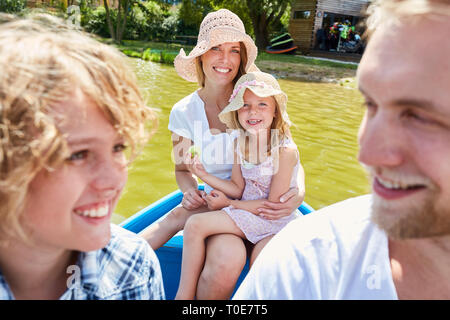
196 230
157 234
257 249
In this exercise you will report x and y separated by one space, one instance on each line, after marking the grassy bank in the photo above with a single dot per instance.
298 67
293 67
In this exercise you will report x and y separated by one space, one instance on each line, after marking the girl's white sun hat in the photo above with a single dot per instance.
216 28
263 85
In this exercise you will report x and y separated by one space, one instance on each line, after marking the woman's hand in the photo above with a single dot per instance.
289 202
217 200
193 199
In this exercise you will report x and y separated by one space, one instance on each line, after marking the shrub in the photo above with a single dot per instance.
132 53
148 55
146 21
168 57
95 21
12 6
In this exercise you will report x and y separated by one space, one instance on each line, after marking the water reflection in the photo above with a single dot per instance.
326 118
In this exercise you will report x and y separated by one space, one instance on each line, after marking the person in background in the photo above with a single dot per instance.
394 243
69 107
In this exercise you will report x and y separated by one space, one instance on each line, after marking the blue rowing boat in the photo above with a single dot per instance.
169 255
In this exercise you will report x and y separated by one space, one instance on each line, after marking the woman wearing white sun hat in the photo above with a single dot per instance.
224 52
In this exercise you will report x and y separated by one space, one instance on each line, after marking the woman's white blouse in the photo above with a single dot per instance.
188 119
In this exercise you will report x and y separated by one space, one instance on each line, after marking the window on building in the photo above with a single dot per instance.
302 14
329 18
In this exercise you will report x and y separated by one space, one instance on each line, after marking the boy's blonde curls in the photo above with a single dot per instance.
43 61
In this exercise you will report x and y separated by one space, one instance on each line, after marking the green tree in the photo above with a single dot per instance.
12 6
121 21
122 14
266 16
238 7
192 13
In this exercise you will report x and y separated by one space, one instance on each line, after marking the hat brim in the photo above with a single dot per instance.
185 64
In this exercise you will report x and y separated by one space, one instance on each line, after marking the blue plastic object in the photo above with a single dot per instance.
170 254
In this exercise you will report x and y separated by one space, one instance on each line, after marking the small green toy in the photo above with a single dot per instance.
194 151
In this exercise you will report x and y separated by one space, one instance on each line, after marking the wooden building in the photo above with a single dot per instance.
308 16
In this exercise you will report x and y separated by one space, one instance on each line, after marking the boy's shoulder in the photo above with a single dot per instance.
126 243
127 261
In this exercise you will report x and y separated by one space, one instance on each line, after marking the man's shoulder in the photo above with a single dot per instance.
343 220
120 235
313 255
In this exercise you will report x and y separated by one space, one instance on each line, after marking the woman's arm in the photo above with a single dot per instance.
192 197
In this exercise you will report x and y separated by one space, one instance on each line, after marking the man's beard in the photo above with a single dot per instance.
417 220
416 216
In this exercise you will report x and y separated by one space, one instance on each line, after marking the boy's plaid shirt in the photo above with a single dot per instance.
127 268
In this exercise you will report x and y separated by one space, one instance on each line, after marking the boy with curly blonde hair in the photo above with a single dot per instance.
69 107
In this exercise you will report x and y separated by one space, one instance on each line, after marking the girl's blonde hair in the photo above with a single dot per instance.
43 61
241 72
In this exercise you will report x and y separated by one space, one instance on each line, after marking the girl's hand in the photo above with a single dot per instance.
194 165
289 202
217 200
193 199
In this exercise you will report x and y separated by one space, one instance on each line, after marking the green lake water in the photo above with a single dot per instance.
326 118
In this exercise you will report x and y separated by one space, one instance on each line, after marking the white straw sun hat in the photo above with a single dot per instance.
216 28
263 85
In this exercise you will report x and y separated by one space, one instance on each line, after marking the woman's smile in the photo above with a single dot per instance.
222 70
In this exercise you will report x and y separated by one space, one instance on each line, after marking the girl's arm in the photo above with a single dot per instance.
281 181
288 202
248 205
280 184
217 200
232 188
